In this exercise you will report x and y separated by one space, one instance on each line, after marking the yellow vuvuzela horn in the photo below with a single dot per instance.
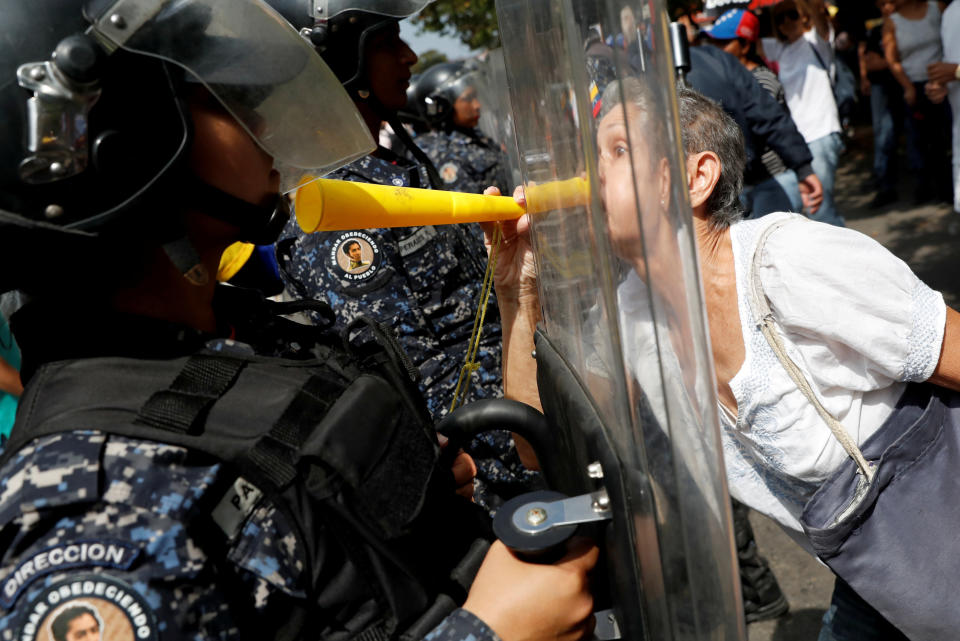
330 205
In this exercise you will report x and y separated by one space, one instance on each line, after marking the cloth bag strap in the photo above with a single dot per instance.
763 317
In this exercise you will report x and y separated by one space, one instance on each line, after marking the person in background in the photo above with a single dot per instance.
945 82
911 41
736 32
886 107
803 53
719 76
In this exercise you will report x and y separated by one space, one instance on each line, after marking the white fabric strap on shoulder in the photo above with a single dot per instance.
764 318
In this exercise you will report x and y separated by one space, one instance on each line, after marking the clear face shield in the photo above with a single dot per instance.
268 77
621 296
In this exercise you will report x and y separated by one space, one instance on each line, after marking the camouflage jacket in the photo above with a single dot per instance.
424 283
101 531
466 160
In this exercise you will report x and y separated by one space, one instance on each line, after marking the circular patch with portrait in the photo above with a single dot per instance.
356 256
88 607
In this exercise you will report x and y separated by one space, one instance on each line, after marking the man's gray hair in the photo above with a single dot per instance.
705 126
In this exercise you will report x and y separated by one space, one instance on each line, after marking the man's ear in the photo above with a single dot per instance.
703 173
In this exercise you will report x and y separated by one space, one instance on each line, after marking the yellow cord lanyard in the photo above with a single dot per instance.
470 364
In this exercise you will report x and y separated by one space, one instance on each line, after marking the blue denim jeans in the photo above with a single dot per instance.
826 153
884 136
765 198
850 618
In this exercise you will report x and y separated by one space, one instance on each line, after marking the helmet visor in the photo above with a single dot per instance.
326 9
268 77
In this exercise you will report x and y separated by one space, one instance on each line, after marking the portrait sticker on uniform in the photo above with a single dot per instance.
87 607
356 255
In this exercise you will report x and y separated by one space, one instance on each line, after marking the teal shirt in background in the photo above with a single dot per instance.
10 353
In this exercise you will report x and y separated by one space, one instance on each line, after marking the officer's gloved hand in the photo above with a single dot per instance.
524 601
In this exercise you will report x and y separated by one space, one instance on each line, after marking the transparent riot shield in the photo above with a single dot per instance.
624 366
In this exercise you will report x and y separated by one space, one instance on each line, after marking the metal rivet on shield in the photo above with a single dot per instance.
595 470
38 73
53 211
117 21
536 516
57 168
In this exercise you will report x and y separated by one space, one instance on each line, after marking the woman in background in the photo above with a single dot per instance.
911 42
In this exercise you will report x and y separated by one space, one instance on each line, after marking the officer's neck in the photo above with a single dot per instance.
371 116
165 293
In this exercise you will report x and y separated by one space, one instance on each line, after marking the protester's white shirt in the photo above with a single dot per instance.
859 324
806 83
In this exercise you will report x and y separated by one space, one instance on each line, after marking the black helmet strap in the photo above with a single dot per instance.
258 224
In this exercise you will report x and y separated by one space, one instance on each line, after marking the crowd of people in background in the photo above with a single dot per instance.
890 63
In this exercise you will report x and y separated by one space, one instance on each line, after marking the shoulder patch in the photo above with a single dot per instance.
449 172
87 606
111 554
355 256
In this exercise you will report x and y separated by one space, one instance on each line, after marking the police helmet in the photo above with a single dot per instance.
440 86
339 29
94 125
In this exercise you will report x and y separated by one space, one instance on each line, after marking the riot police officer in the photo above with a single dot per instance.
422 282
186 463
465 158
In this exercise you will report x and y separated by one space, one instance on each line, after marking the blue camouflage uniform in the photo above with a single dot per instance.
112 522
466 160
424 283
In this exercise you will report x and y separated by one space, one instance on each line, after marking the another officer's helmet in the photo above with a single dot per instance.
339 29
440 86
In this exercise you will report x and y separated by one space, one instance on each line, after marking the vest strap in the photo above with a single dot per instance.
184 405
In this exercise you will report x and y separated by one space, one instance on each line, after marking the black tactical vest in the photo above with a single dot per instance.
341 444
